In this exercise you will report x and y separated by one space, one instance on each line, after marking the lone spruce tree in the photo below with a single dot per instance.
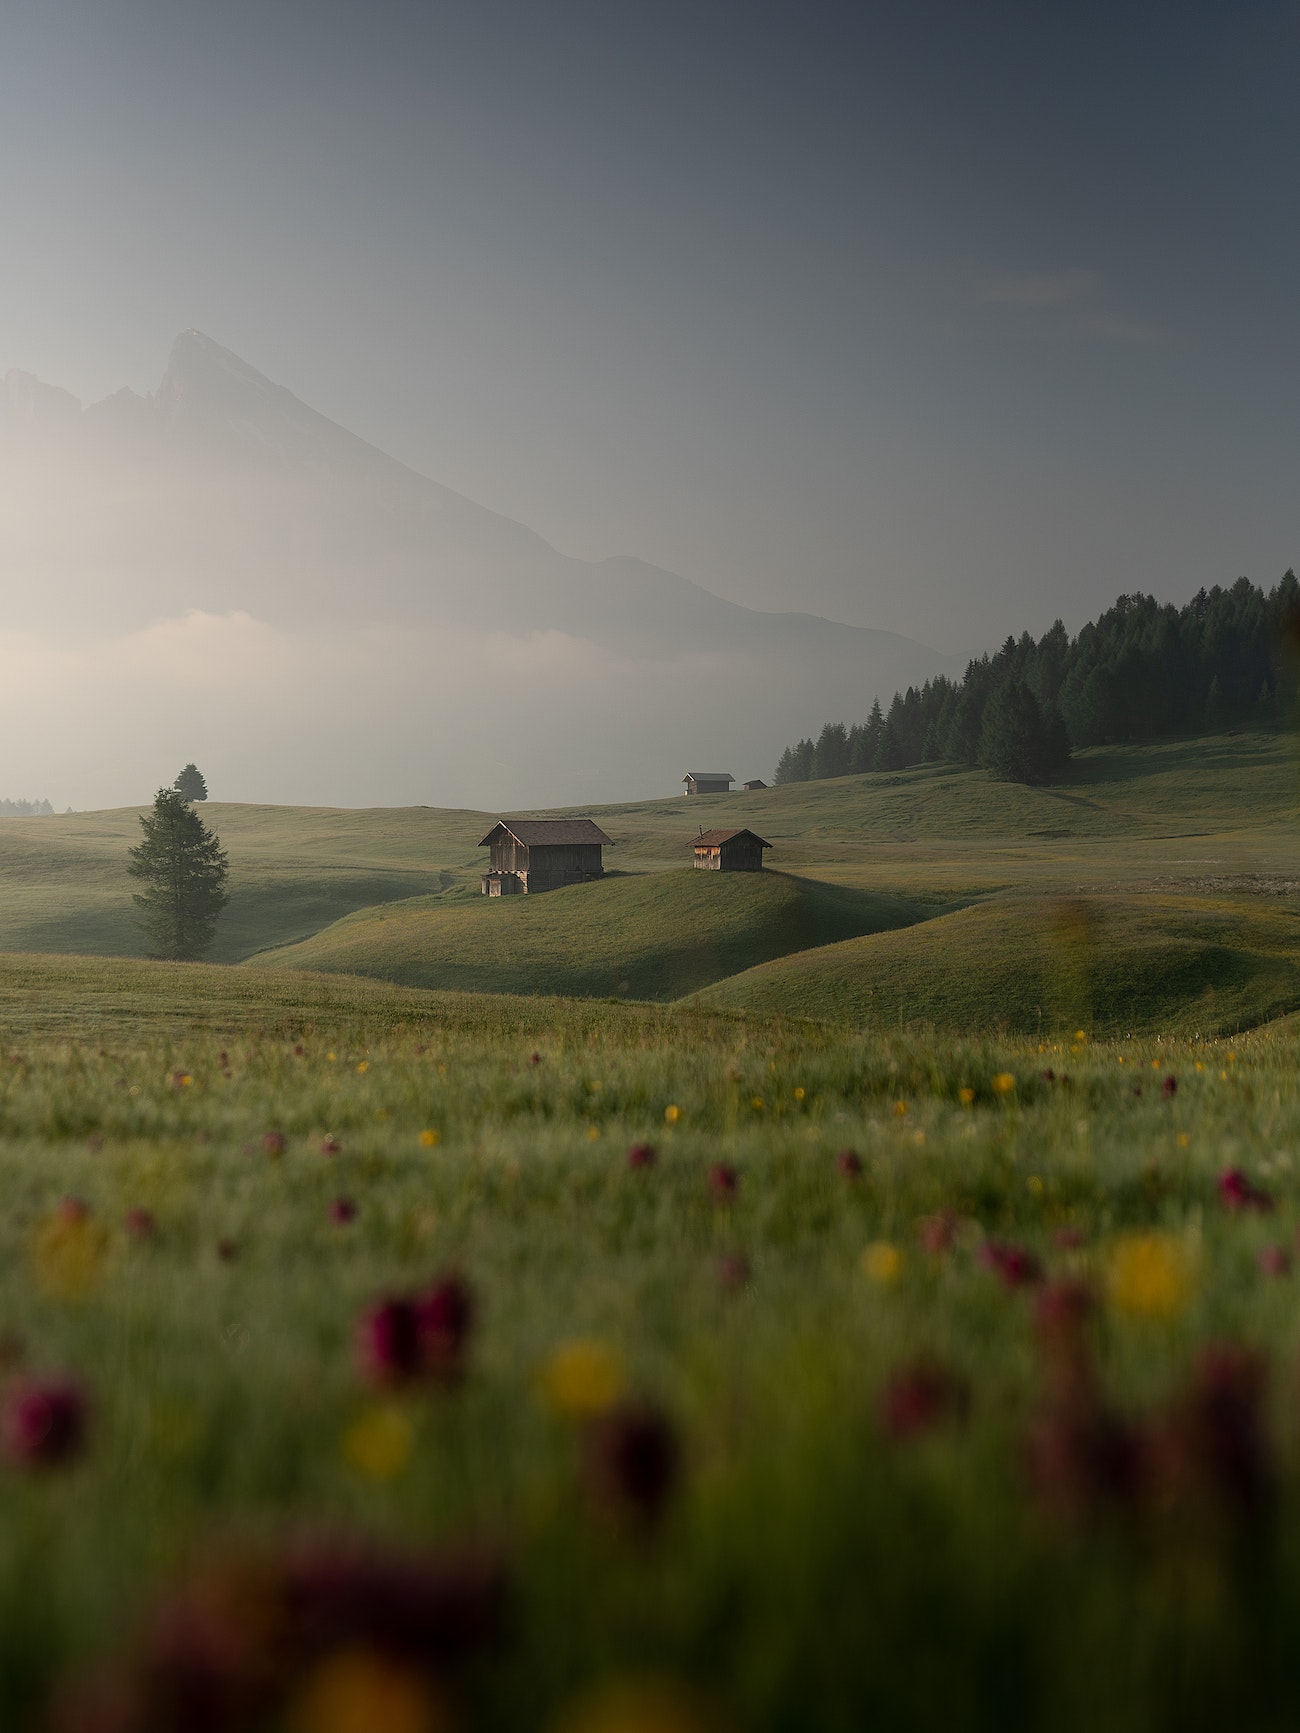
190 785
183 870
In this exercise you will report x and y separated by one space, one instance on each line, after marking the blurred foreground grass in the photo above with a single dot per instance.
997 1429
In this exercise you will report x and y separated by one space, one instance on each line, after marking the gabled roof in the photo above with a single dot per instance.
716 838
538 832
708 776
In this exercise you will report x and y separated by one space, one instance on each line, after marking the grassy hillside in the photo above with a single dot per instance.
656 937
1112 964
1183 816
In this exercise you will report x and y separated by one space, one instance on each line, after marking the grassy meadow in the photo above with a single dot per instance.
993 1426
865 1299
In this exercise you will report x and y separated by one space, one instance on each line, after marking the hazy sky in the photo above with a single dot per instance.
944 318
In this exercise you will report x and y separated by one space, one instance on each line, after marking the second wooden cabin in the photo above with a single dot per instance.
730 851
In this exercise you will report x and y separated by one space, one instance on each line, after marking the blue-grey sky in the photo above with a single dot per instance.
938 317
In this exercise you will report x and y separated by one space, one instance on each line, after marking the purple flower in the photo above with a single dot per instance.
1274 1261
632 1462
274 1142
919 1397
140 1223
343 1211
445 1317
937 1233
330 1145
641 1155
724 1182
388 1342
73 1209
1238 1192
731 1271
849 1163
1169 1086
43 1422
1017 1266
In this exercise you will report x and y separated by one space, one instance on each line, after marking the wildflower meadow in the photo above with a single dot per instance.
449 1363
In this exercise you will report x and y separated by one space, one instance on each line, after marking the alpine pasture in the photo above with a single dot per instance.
894 1325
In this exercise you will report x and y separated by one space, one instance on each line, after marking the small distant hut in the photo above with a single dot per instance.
749 787
542 854
708 782
730 851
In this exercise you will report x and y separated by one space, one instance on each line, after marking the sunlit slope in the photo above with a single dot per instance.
654 936
1109 964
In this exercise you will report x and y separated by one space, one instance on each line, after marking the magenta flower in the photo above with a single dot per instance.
343 1211
43 1422
641 1155
632 1462
388 1342
937 1233
724 1182
920 1397
330 1145
731 1271
445 1317
274 1142
1274 1261
73 1209
1068 1239
1238 1192
1214 1439
849 1163
1017 1266
140 1223
1169 1087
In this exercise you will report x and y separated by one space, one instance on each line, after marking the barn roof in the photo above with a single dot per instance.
716 838
538 832
708 776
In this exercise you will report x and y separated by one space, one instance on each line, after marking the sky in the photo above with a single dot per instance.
938 318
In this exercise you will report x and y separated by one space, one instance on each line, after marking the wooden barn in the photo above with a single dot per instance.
750 787
708 782
730 851
542 854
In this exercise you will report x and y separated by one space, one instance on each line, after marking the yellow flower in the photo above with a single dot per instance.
900 1109
364 1066
379 1444
359 1691
430 1139
1149 1275
756 1102
1080 1035
966 1096
1004 1082
1035 1185
882 1262
639 1706
593 1132
799 1094
581 1378
68 1253
331 1057
672 1113
1182 1140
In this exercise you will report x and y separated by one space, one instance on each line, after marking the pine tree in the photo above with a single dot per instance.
1013 741
183 869
190 784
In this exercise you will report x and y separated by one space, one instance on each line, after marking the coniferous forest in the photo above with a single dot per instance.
1142 671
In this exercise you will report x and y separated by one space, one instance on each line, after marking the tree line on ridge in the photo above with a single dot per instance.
1141 671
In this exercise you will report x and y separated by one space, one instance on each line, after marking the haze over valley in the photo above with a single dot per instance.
318 622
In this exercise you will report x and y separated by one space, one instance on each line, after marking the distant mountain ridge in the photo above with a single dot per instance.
280 509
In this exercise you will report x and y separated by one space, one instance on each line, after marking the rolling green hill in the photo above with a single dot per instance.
1111 964
656 937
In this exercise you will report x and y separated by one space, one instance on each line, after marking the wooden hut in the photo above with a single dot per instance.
751 787
708 782
542 854
730 851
